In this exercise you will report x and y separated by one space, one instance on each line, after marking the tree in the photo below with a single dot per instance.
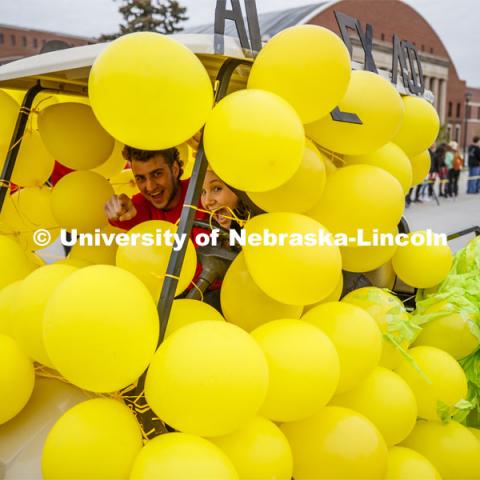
162 16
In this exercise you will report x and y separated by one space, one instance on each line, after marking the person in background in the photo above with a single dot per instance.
454 161
442 169
473 185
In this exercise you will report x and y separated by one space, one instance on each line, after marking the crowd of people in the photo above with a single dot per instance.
446 166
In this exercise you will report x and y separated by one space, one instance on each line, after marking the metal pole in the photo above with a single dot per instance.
465 124
153 426
14 148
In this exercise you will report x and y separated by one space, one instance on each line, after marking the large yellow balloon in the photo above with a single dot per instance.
8 300
114 164
254 131
125 183
356 337
32 297
302 191
28 210
292 274
186 311
149 262
333 297
360 197
34 164
78 201
99 438
420 167
73 136
9 108
443 380
385 399
419 128
14 262
16 378
380 109
336 443
406 464
419 264
208 378
307 65
367 258
161 84
181 456
303 369
113 342
245 305
391 158
390 315
259 449
451 448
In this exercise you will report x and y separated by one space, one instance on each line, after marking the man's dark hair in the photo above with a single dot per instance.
476 139
171 155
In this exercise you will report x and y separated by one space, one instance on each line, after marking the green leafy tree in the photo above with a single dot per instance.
162 16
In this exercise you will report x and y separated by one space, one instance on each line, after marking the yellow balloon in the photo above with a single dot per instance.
34 164
84 215
449 330
420 167
419 264
97 254
292 274
356 337
114 164
333 297
443 380
390 315
406 464
451 448
14 262
74 262
161 84
380 109
125 183
259 449
9 108
32 297
360 197
27 211
476 432
303 369
336 443
73 136
368 258
186 311
391 158
208 379
16 379
307 65
149 262
181 456
254 131
8 300
245 305
113 342
99 438
22 438
419 128
302 191
386 400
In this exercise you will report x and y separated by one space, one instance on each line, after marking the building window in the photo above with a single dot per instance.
450 107
457 133
24 41
35 43
382 36
1 38
13 40
478 113
459 107
431 49
44 42
422 48
449 132
468 111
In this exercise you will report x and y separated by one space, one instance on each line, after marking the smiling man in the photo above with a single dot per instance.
162 193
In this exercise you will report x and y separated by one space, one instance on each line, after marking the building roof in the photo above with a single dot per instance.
47 32
271 22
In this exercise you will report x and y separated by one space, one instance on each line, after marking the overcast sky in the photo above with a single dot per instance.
456 21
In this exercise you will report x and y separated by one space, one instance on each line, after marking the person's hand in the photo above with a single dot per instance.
120 207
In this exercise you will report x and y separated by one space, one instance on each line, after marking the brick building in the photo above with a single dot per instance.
389 17
16 42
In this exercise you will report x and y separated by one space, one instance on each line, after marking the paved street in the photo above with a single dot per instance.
451 216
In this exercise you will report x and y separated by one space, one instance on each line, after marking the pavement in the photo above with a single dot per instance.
452 215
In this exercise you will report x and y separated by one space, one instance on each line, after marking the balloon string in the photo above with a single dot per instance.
330 154
212 213
4 183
